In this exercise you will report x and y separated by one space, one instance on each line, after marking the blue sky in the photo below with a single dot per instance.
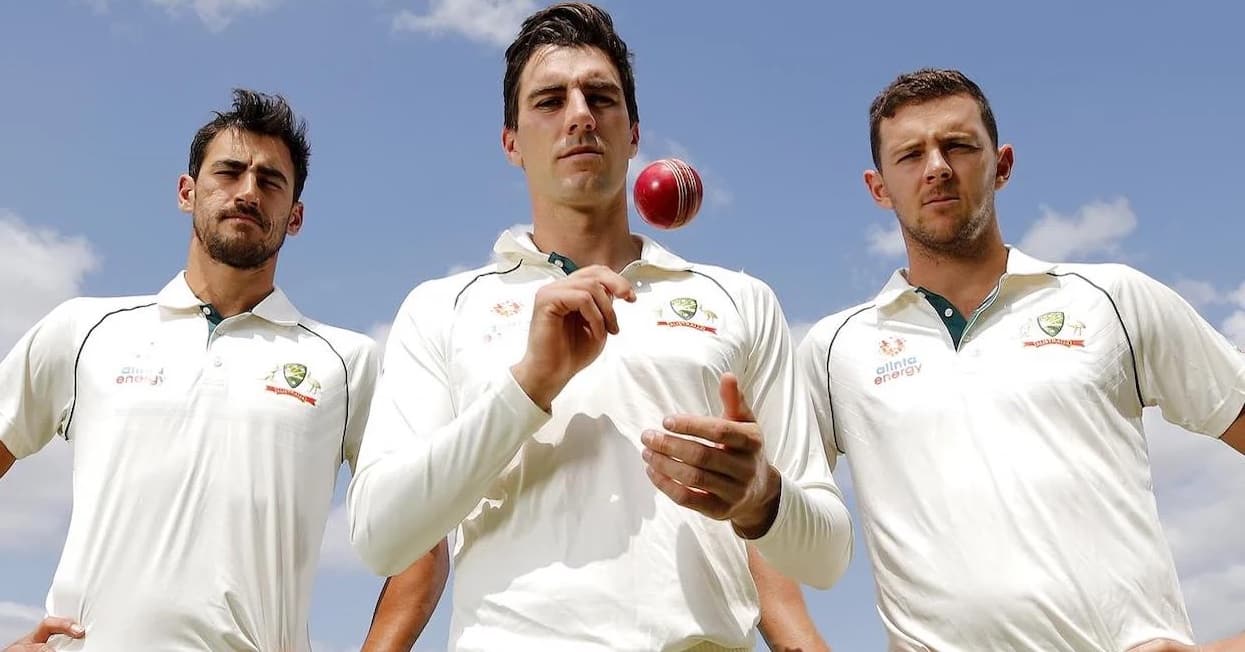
1127 127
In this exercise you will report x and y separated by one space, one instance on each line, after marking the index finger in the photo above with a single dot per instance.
731 434
616 284
53 625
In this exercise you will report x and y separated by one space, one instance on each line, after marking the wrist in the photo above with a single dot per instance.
756 522
539 386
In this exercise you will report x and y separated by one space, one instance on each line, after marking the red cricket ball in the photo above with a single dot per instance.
668 193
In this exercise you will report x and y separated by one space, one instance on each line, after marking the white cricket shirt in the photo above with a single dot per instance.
1005 487
564 542
203 465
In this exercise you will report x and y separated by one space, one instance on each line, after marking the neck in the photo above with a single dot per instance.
230 290
597 235
964 278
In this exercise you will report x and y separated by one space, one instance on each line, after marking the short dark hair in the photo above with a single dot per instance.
263 114
919 87
569 24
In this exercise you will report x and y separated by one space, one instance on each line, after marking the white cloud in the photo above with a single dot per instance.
1200 489
886 242
336 553
1234 328
39 268
799 330
493 22
1097 227
1199 294
216 14
16 621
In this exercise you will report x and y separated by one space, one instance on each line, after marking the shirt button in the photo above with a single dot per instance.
948 312
217 362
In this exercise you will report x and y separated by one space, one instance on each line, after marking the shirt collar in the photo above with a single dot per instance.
1018 264
275 307
515 244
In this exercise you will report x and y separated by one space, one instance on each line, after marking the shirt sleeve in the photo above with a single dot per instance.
36 383
1184 366
811 537
362 383
423 465
813 371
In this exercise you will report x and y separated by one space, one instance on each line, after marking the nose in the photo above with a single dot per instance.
936 167
579 115
248 189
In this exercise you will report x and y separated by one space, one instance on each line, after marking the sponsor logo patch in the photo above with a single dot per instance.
690 314
1052 324
298 382
895 366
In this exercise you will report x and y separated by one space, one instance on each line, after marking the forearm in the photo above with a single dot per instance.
1234 437
407 601
785 622
402 503
1234 644
811 538
6 459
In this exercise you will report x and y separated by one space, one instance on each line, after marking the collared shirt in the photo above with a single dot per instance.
1003 480
204 462
564 542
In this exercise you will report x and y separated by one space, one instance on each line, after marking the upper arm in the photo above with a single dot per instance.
1184 365
36 384
1235 435
412 395
778 399
361 378
810 361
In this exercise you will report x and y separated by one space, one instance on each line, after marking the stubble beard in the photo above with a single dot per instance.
237 251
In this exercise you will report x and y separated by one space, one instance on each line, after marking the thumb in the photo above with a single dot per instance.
734 405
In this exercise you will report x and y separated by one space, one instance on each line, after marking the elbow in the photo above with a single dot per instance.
379 552
838 557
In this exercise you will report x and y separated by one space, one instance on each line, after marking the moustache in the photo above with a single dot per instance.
245 210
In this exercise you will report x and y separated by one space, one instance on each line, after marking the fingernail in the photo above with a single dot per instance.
668 423
647 454
77 630
646 437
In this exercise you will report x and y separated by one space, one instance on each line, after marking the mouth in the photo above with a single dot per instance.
242 218
581 151
941 200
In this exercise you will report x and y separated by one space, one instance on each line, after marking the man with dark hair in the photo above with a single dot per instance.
990 405
208 423
553 408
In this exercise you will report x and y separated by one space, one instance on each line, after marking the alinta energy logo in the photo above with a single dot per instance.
895 364
138 375
1052 324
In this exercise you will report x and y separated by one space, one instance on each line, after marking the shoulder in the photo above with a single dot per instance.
76 317
350 345
824 332
744 289
1108 277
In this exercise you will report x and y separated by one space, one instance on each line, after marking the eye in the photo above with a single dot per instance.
549 103
909 156
602 100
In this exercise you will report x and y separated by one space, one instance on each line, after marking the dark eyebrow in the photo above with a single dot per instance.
602 85
546 90
234 165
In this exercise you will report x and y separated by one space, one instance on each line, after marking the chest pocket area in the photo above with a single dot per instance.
300 406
